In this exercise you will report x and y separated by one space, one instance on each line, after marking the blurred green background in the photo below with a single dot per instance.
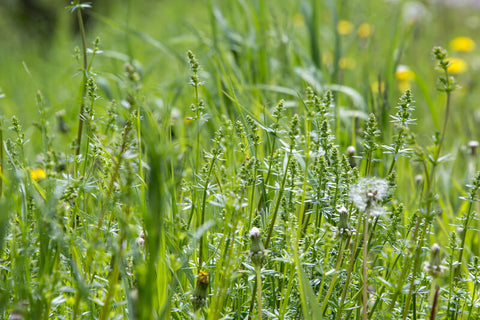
245 46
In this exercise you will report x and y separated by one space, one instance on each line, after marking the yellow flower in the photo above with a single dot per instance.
365 30
376 86
344 27
203 277
403 73
298 20
327 58
38 174
188 120
457 65
404 85
347 63
462 44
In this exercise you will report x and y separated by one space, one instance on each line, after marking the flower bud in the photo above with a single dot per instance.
434 267
343 226
199 297
258 253
472 146
351 156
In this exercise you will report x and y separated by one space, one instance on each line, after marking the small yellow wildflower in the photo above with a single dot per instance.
344 27
403 73
188 120
298 20
347 63
365 30
203 277
462 44
457 65
327 58
404 76
38 174
404 85
375 86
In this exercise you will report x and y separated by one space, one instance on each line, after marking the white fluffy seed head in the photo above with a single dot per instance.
369 190
255 233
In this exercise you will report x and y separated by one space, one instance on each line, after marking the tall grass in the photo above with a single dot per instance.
276 173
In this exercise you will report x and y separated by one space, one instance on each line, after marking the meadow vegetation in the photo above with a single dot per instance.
243 159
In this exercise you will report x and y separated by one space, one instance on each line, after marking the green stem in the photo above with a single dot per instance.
365 267
472 303
305 175
416 266
458 268
350 269
406 267
335 276
277 204
81 117
111 291
259 292
140 164
252 196
202 218
395 155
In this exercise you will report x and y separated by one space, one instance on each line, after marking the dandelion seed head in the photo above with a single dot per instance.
369 192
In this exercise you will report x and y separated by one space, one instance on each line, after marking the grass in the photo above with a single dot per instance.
245 160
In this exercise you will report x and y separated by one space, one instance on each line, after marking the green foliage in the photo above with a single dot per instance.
264 176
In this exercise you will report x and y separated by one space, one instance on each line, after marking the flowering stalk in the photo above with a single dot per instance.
370 199
292 134
214 156
402 120
353 256
446 84
344 232
196 107
258 255
371 132
78 7
471 199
